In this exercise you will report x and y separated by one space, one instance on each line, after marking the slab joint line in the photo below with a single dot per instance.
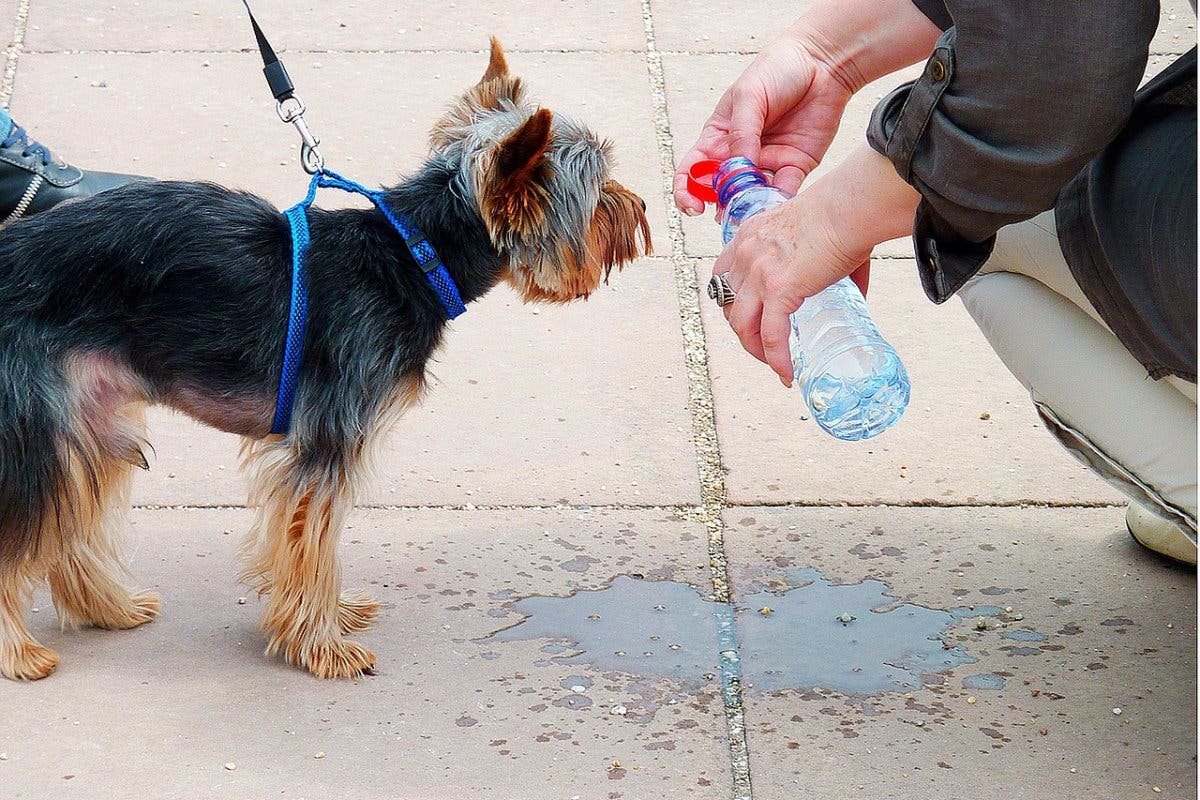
12 53
704 429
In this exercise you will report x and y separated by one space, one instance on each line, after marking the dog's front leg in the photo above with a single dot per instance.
292 559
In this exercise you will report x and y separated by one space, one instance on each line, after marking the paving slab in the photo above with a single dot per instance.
159 711
943 451
1176 28
553 385
335 25
8 18
1079 621
705 26
694 85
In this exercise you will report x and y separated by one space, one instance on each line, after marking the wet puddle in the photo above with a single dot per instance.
650 628
851 638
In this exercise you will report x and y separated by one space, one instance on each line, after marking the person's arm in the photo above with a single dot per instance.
784 110
1014 101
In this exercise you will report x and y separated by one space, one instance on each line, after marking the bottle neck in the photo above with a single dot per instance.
736 176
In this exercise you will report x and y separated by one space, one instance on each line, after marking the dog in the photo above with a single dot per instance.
177 293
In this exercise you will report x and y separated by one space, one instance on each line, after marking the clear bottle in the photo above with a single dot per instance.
852 380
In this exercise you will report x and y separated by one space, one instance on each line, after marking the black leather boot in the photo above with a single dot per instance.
31 180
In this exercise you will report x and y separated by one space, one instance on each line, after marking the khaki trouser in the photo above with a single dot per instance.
1137 433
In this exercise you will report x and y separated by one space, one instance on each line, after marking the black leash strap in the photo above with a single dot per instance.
287 104
277 76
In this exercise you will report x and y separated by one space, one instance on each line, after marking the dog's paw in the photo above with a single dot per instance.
29 661
356 612
142 607
340 659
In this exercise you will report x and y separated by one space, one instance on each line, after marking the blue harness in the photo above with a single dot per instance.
297 217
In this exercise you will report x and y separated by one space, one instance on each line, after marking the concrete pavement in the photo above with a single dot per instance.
600 460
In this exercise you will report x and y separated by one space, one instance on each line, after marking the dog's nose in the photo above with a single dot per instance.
643 202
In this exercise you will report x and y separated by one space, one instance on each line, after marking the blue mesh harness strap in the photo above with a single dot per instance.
297 216
293 351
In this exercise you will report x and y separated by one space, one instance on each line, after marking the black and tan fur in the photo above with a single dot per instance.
177 294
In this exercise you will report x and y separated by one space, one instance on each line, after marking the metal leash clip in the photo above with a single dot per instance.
288 106
291 110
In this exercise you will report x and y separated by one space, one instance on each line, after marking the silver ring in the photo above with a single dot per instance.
720 290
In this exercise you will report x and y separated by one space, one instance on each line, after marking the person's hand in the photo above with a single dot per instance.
782 113
784 256
777 260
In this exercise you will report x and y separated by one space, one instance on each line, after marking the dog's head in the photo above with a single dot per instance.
541 184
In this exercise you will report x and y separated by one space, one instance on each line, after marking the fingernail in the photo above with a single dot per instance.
692 212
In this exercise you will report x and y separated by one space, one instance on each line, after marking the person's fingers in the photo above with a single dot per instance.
788 179
724 266
774 330
684 200
862 277
745 315
747 117
688 204
725 262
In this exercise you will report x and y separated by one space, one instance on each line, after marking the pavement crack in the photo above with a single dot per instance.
704 427
12 53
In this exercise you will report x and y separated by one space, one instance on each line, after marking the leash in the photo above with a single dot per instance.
288 104
291 110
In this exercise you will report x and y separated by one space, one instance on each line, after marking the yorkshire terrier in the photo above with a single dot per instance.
178 293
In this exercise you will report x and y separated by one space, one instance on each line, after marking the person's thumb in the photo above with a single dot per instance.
746 126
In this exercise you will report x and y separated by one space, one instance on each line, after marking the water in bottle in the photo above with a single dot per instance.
852 380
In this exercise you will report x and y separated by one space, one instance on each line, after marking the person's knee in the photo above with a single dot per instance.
1092 394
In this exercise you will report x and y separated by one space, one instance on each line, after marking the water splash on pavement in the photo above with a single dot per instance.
852 638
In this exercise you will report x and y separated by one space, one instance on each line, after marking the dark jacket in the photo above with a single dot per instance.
1024 107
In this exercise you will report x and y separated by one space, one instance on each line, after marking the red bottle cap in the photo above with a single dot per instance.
700 180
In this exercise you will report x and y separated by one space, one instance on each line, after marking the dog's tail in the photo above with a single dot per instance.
43 468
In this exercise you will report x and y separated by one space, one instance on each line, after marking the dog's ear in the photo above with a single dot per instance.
496 90
497 65
513 195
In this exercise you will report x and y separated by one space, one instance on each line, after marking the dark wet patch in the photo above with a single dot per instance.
992 591
575 702
1022 651
466 722
988 681
579 563
1023 635
1118 622
970 612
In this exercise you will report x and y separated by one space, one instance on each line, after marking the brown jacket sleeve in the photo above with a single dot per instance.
1015 99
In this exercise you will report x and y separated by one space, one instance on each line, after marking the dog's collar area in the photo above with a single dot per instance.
418 245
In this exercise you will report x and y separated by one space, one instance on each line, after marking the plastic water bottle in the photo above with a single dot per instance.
852 380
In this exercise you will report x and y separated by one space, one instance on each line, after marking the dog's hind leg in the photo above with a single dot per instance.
108 432
292 559
86 581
